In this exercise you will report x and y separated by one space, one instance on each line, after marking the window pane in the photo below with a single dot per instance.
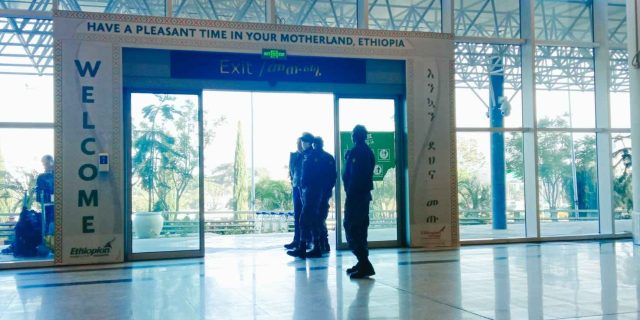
474 65
146 8
477 187
565 95
564 20
164 172
27 98
406 15
19 165
619 97
227 154
622 195
322 13
272 144
568 187
229 10
617 24
28 5
491 19
26 46
380 122
21 152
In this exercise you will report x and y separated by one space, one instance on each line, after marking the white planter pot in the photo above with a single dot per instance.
147 224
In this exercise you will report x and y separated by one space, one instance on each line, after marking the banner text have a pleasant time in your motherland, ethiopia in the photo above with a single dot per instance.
239 35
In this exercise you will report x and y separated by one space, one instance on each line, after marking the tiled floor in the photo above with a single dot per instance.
257 280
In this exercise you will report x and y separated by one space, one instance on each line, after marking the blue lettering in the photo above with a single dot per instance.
85 121
83 146
87 94
82 70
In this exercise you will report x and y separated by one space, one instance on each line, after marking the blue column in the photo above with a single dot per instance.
496 118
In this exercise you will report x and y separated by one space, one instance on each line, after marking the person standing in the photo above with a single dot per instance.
328 165
311 187
295 168
44 193
358 183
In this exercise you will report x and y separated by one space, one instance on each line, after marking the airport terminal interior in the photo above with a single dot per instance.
543 103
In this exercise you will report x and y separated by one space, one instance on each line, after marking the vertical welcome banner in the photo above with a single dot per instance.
432 155
91 210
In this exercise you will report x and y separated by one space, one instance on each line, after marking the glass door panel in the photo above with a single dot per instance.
164 168
379 117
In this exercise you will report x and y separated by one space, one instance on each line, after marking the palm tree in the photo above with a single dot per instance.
153 148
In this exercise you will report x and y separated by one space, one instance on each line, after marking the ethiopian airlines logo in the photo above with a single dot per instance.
102 251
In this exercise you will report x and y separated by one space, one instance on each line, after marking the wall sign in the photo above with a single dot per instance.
242 66
383 145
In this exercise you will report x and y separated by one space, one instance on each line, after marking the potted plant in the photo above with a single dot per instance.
147 224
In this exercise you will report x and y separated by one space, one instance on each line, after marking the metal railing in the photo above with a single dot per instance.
473 217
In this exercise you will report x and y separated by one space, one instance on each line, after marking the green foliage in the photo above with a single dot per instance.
153 147
384 195
166 156
273 195
474 195
586 173
555 171
623 197
240 200
554 162
17 191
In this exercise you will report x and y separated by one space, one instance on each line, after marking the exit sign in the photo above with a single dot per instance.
275 54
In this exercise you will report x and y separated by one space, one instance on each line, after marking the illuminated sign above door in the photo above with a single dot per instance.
253 67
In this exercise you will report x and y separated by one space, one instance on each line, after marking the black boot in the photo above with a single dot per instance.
316 252
364 271
300 251
292 245
353 269
326 247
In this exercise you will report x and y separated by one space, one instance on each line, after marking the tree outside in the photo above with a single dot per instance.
474 193
558 186
166 157
240 200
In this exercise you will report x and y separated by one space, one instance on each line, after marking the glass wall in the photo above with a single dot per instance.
485 18
620 111
490 141
560 121
228 10
319 13
26 136
565 115
26 167
564 20
406 15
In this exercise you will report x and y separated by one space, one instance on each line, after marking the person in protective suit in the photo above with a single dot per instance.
358 183
311 187
329 176
295 170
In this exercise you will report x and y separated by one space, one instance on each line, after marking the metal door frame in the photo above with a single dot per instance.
401 168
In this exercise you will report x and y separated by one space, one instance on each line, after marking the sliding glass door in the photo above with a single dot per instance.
165 216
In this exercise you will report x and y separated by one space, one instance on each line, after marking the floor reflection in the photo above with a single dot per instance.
561 280
359 307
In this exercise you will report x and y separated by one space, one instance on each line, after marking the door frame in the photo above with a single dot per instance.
401 170
128 230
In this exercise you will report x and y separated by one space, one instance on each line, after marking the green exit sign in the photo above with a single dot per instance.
276 54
